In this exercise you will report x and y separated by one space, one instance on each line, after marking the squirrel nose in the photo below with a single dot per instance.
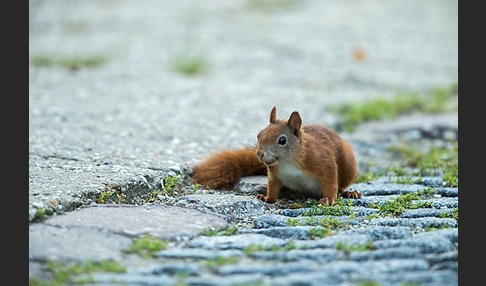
260 154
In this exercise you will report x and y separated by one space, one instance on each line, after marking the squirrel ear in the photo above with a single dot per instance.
273 115
295 122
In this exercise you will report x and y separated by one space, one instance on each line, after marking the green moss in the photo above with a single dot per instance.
354 247
340 208
63 273
327 222
147 246
368 282
437 158
40 213
436 100
254 247
398 205
432 228
230 230
320 232
112 194
454 214
366 177
73 62
170 183
270 5
189 62
221 260
171 186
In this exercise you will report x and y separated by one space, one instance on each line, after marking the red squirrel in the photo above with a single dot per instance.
310 158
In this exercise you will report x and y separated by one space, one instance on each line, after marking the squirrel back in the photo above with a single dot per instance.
310 158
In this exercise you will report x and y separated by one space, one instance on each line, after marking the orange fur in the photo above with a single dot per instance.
223 169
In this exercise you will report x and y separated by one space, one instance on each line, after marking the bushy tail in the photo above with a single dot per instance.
223 169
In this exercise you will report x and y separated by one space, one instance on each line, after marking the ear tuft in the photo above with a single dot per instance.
273 115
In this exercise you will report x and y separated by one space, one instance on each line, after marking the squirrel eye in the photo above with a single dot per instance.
282 140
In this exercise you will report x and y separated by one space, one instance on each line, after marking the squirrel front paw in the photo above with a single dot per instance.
265 199
327 201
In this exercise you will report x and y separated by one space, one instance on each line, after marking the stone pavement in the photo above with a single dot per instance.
119 128
356 243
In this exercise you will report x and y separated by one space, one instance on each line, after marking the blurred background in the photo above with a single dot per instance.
155 83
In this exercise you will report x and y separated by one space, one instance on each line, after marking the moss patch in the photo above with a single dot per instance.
72 62
189 62
436 100
437 158
398 205
65 273
354 247
147 246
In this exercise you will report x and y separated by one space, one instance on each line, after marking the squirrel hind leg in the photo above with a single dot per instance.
350 194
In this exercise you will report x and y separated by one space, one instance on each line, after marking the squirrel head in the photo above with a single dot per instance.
279 141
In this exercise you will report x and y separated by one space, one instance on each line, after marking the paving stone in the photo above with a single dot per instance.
397 265
418 213
251 185
270 220
438 203
425 244
177 268
234 206
445 203
446 265
421 222
167 222
378 199
37 270
448 192
274 269
309 279
431 181
380 189
129 279
296 232
383 232
359 210
435 278
72 243
373 269
319 255
442 257
239 241
363 211
450 233
229 280
197 253
331 241
387 253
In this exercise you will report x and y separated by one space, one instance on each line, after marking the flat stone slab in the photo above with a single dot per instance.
74 244
384 188
198 253
230 205
239 241
166 222
251 185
